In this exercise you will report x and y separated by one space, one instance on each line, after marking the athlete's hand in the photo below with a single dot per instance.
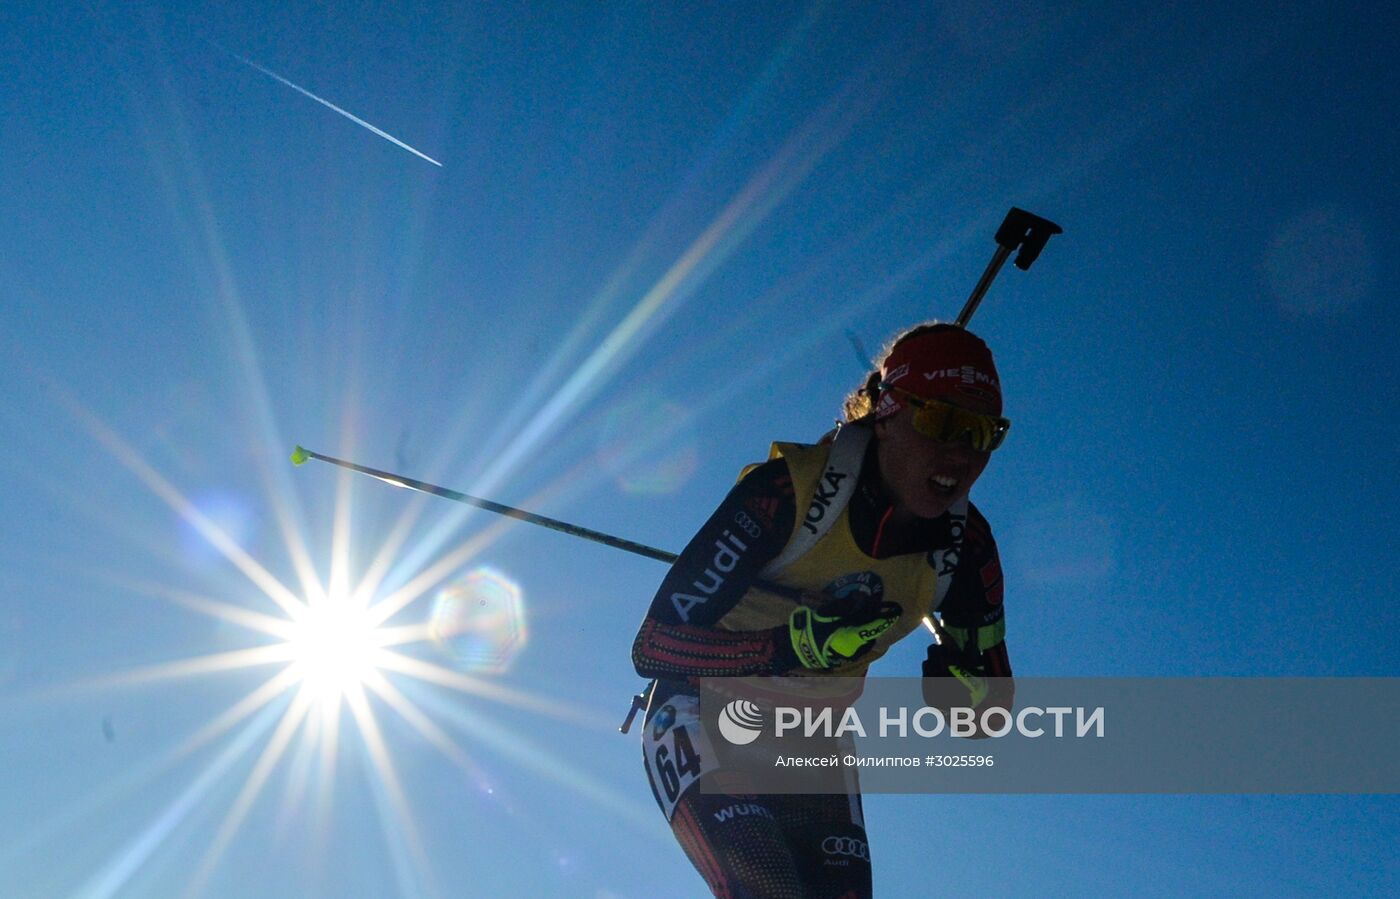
836 635
962 679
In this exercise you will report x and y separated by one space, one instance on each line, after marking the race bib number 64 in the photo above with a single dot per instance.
677 750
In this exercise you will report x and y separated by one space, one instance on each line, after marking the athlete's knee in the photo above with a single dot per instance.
736 845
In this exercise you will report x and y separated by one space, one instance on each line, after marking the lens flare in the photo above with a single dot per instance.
480 621
1320 263
648 444
1037 533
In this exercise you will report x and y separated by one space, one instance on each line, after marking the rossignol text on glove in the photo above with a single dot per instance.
825 641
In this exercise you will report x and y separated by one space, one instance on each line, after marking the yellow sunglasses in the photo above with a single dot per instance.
949 423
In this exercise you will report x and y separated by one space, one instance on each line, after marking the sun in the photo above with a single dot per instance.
334 647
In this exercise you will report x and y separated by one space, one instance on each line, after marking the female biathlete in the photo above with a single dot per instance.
874 526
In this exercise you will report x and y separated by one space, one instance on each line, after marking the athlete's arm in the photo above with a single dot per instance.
679 638
975 670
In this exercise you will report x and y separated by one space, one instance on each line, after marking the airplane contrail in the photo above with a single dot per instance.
356 119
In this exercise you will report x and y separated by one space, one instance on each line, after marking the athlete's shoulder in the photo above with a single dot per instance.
765 492
773 472
977 534
785 460
977 584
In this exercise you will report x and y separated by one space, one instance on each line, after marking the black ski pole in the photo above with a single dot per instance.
300 455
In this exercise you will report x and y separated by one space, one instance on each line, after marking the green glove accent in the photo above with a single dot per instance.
976 686
822 642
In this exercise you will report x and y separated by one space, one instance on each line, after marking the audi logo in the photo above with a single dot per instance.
846 846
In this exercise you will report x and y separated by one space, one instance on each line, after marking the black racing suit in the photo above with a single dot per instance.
782 846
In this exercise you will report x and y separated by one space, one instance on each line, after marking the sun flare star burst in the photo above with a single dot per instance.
350 655
334 648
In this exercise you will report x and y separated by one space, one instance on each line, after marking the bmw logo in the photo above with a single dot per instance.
663 720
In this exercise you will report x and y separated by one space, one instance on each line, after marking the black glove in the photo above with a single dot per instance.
954 677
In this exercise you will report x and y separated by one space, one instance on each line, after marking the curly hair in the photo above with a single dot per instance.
860 403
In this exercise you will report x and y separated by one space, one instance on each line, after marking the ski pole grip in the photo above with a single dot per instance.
1027 232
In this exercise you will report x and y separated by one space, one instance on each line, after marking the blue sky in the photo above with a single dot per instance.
652 229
